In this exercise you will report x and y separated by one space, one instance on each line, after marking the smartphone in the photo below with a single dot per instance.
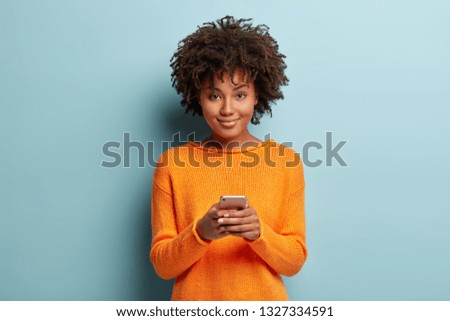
233 201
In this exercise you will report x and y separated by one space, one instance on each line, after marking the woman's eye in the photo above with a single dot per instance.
214 97
241 96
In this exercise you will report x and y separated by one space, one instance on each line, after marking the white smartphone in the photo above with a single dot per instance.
233 201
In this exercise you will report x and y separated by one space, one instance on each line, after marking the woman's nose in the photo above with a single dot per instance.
227 107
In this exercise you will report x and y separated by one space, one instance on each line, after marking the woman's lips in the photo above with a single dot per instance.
228 123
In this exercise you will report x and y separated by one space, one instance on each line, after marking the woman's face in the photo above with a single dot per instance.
228 107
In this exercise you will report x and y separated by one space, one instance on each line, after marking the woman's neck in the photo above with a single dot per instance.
220 143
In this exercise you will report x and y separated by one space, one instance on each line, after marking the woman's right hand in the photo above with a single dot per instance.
208 227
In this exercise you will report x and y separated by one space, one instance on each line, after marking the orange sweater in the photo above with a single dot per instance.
187 180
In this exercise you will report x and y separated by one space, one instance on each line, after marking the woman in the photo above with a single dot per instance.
230 72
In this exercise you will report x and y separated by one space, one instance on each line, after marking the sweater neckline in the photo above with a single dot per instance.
234 150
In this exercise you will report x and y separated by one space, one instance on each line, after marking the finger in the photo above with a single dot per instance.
242 213
240 228
218 213
225 213
253 235
237 220
220 233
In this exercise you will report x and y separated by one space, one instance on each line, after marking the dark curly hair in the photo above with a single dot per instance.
224 46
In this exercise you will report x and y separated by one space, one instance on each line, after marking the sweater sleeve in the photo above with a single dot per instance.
285 250
172 252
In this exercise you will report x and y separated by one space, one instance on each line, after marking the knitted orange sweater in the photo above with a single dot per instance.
187 180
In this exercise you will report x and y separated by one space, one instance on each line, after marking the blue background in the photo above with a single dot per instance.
76 74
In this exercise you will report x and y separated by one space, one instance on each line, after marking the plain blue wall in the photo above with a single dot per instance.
77 74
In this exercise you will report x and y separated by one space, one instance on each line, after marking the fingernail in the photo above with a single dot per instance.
220 220
226 215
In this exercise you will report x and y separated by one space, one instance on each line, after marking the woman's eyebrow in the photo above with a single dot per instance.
235 88
240 86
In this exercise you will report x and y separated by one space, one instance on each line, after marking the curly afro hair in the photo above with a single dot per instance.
224 46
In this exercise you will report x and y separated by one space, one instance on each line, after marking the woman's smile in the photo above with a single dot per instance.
228 123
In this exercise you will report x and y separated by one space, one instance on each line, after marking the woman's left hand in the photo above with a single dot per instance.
243 223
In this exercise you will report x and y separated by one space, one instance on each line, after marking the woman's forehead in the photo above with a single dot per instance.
239 77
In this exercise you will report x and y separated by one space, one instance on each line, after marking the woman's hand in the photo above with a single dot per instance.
208 227
218 223
243 223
